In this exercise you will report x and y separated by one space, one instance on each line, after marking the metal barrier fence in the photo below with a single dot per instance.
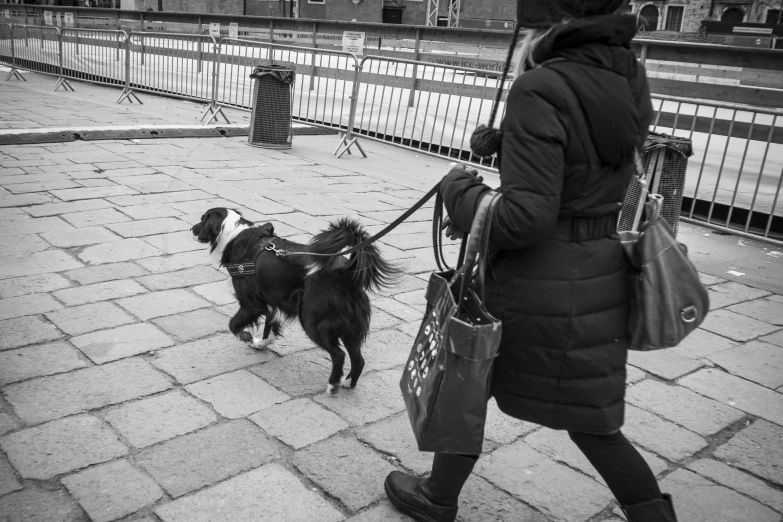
733 181
426 107
324 93
180 65
94 55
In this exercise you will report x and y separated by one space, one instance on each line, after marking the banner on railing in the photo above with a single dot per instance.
353 42
48 18
214 30
58 19
69 19
233 30
6 13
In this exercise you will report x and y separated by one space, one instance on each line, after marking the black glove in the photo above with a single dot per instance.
457 171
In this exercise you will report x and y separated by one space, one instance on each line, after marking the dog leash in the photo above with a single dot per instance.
394 224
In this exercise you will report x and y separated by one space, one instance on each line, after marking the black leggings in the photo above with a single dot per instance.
622 467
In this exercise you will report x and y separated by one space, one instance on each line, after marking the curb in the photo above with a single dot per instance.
138 132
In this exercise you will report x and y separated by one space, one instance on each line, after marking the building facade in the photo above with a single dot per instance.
686 15
656 15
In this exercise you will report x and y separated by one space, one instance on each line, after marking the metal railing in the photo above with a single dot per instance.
733 181
426 107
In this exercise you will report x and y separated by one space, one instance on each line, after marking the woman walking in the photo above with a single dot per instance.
557 280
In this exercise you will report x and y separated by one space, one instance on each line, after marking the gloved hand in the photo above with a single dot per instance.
457 171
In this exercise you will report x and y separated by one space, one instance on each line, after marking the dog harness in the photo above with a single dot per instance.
249 268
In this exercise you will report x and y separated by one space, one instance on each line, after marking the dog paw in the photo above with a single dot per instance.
346 383
260 344
331 389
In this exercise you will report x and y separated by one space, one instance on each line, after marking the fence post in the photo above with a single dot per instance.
142 50
643 54
315 46
200 49
14 72
212 108
61 81
127 93
348 140
416 56
77 42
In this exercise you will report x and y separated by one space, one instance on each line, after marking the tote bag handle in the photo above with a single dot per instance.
478 242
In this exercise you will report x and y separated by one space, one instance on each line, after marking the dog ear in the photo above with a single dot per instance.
211 224
268 229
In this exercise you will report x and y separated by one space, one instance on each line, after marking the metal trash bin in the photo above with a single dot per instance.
270 120
665 162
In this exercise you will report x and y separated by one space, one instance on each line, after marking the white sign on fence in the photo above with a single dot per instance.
7 13
214 30
59 20
69 19
48 17
353 42
233 30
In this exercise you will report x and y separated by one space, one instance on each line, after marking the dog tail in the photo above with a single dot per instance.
368 269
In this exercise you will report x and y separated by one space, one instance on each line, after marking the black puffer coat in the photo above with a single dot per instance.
558 276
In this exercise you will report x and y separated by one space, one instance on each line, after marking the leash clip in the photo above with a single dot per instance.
272 248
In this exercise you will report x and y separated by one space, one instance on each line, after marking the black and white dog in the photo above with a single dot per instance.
327 294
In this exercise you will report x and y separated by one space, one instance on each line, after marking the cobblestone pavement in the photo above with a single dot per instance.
124 397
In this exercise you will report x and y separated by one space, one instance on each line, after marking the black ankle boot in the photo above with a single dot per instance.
406 494
658 510
432 499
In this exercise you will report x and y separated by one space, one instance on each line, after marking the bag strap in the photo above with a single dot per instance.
479 230
437 238
480 282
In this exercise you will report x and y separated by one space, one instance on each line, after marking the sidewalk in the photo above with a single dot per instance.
124 397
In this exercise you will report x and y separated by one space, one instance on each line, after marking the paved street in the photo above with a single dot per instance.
124 397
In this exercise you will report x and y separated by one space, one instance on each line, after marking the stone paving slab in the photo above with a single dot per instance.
37 263
237 394
346 470
755 361
8 481
739 481
118 343
26 330
111 491
267 494
158 418
90 317
737 393
704 501
557 491
61 446
683 407
37 361
206 358
37 504
757 449
98 292
299 422
116 251
27 305
48 398
199 459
